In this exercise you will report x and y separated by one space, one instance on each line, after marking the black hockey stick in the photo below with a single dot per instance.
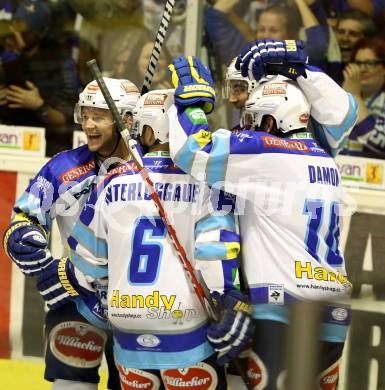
160 36
132 146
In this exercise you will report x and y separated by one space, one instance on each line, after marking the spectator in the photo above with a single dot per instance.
132 61
40 84
365 80
351 27
225 26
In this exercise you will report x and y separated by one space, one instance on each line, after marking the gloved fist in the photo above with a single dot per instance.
230 336
58 284
26 244
289 58
192 82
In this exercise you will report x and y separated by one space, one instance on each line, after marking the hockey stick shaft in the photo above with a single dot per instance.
133 148
160 36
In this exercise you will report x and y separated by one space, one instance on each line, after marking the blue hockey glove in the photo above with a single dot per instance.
192 82
289 58
230 336
58 284
26 244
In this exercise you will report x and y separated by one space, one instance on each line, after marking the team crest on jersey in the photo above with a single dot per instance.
131 379
155 99
274 89
148 340
198 377
77 344
256 372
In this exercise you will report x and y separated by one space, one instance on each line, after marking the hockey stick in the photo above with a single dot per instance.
162 31
136 155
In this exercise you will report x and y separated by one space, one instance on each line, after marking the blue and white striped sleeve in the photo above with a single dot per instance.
87 245
333 110
217 157
217 246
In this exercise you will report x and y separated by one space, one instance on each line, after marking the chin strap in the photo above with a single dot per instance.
101 157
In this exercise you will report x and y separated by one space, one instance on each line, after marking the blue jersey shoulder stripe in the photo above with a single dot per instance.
259 142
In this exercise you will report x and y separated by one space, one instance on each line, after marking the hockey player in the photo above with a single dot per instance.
74 345
237 88
331 117
158 323
290 222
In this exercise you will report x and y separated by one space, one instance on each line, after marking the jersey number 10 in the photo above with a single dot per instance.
315 210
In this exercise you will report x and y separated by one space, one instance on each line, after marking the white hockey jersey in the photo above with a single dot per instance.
289 200
156 317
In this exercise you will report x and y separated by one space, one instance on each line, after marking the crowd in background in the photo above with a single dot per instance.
45 45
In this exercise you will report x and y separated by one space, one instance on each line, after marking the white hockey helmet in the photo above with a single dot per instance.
232 74
151 110
124 93
281 98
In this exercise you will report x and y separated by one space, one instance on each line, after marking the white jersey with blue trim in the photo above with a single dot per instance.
289 200
59 191
333 110
157 319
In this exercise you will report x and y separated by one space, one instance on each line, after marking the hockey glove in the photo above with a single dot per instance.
288 57
192 82
58 284
230 336
26 244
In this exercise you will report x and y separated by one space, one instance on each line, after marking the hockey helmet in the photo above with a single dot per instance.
232 74
151 110
124 93
281 98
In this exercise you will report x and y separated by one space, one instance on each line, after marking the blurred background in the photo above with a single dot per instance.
44 46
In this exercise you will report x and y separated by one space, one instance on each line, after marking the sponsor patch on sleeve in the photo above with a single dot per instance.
196 116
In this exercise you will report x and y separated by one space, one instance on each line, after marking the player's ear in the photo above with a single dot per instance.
268 123
127 120
148 136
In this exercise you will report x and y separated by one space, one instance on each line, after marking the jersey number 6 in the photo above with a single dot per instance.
147 249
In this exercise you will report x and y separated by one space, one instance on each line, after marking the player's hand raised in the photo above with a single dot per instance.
286 57
192 82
